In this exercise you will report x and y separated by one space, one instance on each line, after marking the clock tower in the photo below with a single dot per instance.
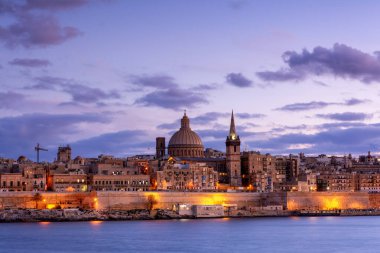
233 155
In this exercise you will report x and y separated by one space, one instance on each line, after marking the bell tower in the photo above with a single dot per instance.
233 155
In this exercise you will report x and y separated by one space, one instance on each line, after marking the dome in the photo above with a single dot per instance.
185 142
185 137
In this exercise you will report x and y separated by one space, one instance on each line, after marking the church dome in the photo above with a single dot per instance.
185 137
185 142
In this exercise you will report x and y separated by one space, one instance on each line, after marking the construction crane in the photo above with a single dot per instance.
38 149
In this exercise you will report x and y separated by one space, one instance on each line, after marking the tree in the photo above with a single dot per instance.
37 197
151 202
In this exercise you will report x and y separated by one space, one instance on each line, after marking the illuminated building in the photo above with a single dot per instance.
178 176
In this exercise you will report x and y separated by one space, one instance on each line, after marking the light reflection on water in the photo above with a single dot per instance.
294 234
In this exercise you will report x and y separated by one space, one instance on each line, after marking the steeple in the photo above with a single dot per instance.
232 134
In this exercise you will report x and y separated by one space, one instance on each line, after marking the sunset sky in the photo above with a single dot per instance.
108 77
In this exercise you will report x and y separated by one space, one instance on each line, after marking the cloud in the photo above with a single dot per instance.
33 63
206 87
174 99
304 106
356 139
168 94
155 81
250 115
346 116
280 75
56 5
10 99
207 118
320 104
238 80
122 143
80 93
19 134
339 61
170 126
356 101
34 25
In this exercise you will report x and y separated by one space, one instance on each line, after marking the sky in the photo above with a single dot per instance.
109 76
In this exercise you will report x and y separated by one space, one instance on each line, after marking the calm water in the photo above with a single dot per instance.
322 234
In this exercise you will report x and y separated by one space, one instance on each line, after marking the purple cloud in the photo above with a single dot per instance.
238 80
45 128
346 116
55 5
319 104
340 61
174 99
33 63
154 81
245 115
334 140
122 143
34 25
304 106
10 99
80 93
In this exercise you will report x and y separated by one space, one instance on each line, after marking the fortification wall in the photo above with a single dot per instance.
131 200
327 200
139 200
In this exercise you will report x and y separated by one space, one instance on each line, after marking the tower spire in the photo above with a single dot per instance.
232 127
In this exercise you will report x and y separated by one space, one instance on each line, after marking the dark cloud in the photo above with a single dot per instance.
174 99
56 5
33 63
355 101
346 116
10 99
280 75
80 93
356 139
19 134
123 143
238 80
320 104
34 24
155 81
340 61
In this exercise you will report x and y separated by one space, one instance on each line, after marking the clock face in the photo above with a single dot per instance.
233 137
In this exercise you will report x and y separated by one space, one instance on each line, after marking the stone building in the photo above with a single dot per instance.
12 182
258 171
69 182
179 176
64 154
120 182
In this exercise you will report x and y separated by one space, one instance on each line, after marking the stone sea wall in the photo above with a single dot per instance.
166 200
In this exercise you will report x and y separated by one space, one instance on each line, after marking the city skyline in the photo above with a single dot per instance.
96 74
